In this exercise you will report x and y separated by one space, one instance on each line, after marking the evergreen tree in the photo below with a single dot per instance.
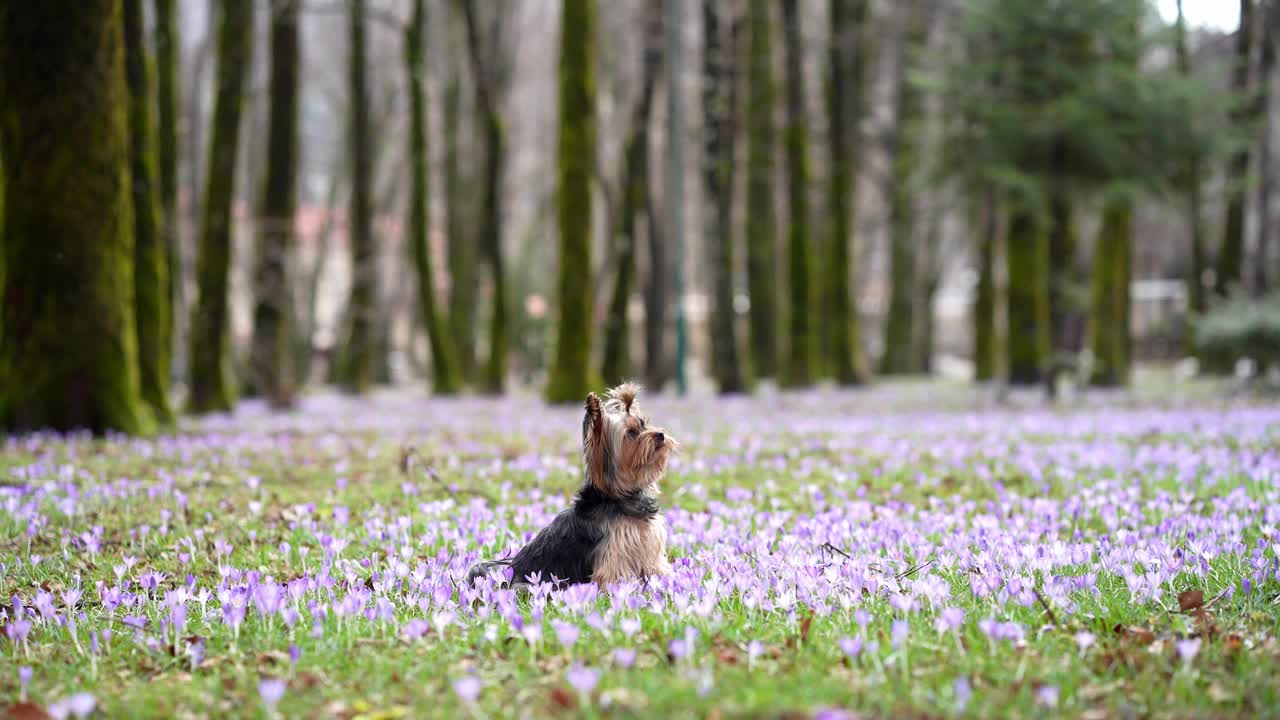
1191 183
68 348
444 373
212 388
570 374
1109 311
984 304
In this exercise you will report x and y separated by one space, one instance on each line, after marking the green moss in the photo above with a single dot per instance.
68 348
445 379
212 386
570 370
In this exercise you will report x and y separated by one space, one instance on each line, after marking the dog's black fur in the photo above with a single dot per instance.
565 549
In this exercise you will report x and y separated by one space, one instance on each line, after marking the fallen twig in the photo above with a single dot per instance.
1053 617
408 454
836 550
913 570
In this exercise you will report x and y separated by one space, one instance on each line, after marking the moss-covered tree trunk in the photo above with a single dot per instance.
356 364
902 142
445 379
801 341
1109 297
1263 278
68 345
1192 182
1029 341
1231 251
491 211
150 256
212 388
167 46
1064 307
570 379
844 110
615 362
984 303
719 135
271 363
461 232
761 226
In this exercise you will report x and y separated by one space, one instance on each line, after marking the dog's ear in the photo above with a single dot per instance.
595 446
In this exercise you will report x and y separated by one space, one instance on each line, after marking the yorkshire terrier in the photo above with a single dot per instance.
613 530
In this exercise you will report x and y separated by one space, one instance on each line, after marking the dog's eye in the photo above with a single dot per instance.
631 434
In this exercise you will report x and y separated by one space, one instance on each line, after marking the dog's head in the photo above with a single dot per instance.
624 452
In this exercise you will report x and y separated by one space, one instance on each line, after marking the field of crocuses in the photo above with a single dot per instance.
836 554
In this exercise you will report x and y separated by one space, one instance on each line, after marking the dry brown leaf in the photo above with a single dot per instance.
1189 600
1139 635
1219 694
562 700
805 624
27 711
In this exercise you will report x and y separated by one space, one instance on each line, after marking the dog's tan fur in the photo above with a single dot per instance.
632 548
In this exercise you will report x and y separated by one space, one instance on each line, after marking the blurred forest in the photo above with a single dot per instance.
203 200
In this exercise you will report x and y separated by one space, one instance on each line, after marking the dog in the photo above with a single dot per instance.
614 528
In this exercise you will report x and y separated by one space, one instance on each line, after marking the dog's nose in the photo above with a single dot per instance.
661 438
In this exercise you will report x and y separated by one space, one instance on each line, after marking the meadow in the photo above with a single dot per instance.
836 555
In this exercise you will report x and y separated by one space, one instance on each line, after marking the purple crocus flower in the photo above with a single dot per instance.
583 679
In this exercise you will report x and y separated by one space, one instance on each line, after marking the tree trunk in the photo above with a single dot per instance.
799 366
1064 314
1262 265
657 299
1192 180
984 306
444 372
68 352
150 257
462 238
761 225
615 365
844 110
212 388
271 362
719 106
168 43
570 379
902 150
1109 314
495 371
1231 252
1029 338
355 370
